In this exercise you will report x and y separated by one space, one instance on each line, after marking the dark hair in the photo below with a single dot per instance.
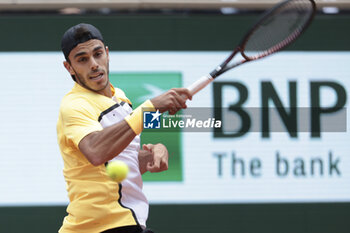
78 34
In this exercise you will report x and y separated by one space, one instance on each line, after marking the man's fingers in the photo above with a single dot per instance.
184 93
144 147
147 147
157 163
172 111
164 164
172 100
149 166
178 102
158 167
152 167
181 96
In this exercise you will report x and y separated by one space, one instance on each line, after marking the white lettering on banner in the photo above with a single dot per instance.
191 123
315 167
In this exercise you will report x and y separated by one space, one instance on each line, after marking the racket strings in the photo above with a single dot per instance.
279 28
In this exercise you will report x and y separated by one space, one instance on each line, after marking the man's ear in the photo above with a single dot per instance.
68 68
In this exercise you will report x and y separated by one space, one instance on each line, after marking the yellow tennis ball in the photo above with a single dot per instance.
117 170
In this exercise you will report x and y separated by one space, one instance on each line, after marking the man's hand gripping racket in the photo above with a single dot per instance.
276 29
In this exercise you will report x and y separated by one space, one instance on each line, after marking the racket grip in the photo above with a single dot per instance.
200 84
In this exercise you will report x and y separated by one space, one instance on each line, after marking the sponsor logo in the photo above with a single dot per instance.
151 120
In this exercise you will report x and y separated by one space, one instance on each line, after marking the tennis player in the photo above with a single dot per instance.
96 124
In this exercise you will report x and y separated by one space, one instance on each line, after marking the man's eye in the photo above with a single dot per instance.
82 59
98 54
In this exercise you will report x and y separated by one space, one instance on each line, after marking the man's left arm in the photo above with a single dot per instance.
153 158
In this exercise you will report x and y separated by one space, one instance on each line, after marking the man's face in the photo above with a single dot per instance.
89 64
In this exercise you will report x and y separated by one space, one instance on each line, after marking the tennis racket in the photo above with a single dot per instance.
276 29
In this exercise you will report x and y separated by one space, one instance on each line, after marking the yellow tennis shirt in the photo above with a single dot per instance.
96 202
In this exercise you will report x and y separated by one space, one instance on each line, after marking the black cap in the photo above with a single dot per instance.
78 34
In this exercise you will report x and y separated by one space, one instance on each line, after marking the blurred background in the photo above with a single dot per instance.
223 182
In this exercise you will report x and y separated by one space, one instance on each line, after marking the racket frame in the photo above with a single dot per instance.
223 67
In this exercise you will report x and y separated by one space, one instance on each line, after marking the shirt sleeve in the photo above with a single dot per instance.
79 119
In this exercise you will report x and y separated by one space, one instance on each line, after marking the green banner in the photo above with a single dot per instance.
139 87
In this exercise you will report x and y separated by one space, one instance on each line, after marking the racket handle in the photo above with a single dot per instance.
200 84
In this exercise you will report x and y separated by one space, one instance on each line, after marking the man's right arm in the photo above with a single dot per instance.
102 146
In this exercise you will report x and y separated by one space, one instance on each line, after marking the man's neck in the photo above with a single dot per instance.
106 91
